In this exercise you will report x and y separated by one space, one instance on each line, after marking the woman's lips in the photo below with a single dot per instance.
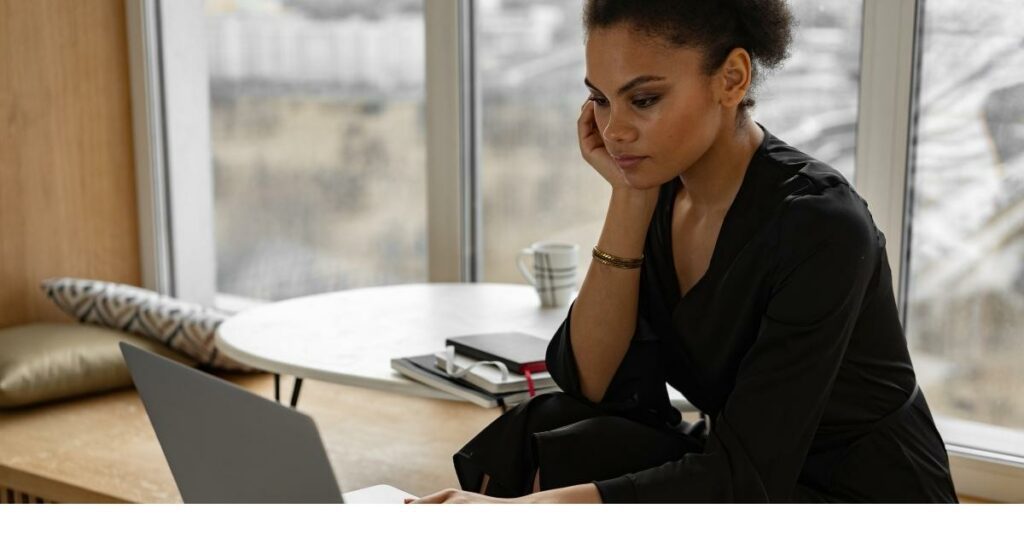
628 161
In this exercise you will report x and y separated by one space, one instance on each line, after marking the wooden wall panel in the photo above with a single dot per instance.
67 191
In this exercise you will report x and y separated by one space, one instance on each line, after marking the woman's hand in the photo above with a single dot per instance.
458 496
580 493
593 149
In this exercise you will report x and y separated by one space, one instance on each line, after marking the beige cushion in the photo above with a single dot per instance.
46 361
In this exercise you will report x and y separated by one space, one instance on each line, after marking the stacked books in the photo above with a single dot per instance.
490 370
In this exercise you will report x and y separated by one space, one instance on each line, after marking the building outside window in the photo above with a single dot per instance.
317 128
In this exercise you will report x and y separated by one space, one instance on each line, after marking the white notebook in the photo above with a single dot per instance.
489 377
380 494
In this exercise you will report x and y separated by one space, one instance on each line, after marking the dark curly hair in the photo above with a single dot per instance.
764 28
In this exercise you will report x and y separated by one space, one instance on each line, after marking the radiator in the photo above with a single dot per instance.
13 496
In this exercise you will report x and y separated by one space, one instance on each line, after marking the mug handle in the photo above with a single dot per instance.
523 268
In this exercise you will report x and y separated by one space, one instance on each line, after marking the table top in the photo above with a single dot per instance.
350 336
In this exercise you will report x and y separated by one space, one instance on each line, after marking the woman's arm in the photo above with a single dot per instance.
604 314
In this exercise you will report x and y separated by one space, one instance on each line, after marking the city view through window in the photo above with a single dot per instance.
317 125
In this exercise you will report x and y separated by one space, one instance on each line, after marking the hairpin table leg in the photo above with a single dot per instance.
295 391
277 388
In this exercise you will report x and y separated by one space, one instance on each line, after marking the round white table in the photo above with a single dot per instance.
349 337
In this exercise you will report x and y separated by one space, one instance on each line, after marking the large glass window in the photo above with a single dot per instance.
317 129
534 184
531 66
811 102
966 282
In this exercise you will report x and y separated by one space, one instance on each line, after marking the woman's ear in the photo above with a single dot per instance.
734 78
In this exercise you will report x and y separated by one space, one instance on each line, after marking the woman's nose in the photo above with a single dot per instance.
619 128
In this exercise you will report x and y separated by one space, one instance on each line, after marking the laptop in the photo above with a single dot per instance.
225 444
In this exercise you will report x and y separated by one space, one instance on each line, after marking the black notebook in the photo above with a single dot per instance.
519 351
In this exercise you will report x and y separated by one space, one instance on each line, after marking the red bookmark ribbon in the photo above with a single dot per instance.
528 372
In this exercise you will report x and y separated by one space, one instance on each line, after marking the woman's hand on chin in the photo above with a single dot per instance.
593 149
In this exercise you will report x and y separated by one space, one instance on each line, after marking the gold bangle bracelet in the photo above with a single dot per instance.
616 265
615 261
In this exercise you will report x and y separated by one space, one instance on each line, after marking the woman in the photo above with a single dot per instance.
746 274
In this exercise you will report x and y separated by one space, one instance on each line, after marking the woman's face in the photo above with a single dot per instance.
650 100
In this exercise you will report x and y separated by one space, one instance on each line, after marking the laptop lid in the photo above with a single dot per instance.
225 444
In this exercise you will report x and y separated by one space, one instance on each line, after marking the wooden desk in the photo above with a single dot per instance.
103 449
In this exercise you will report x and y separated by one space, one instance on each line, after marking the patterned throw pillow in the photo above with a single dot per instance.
185 327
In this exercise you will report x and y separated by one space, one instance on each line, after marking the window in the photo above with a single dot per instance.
316 118
811 102
317 132
534 184
531 65
966 281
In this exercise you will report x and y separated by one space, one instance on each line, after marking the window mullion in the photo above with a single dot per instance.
147 124
884 123
452 196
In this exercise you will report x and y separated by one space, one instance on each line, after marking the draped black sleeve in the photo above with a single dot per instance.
637 390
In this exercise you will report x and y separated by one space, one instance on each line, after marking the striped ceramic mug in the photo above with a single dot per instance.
554 270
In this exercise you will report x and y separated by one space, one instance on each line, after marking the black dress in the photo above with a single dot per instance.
791 344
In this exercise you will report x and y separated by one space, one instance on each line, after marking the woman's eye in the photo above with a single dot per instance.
639 103
645 102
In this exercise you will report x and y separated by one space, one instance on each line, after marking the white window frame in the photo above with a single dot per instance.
171 122
175 217
454 221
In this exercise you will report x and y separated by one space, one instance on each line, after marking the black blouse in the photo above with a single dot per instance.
791 343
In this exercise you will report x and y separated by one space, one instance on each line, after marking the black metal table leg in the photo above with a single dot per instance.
296 387
295 391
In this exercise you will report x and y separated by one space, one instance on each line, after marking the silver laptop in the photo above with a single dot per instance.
225 444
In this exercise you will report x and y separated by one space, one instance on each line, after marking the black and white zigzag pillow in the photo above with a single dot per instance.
185 327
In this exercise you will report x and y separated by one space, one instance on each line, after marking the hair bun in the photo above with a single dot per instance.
766 27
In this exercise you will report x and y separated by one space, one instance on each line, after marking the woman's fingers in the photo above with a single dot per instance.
587 129
451 495
592 146
591 143
433 498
